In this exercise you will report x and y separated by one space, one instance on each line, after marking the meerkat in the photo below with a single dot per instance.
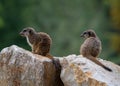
40 42
91 47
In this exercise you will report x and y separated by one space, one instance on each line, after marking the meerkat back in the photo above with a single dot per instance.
91 46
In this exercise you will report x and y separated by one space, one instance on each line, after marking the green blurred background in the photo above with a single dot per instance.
64 21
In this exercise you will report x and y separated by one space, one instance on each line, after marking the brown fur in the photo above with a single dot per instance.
40 42
91 47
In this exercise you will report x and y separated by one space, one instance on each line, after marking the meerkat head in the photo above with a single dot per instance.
88 33
27 31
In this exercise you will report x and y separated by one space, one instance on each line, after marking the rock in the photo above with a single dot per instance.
19 67
79 71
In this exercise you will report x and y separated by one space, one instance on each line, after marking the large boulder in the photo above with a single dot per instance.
19 67
79 71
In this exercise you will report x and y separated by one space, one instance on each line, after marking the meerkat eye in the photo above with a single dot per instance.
85 32
89 33
24 30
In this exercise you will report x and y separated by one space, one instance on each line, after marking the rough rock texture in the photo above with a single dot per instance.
79 71
19 67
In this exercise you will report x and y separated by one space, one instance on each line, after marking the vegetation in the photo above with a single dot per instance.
64 21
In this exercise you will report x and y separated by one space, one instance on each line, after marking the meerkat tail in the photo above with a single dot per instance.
99 63
107 68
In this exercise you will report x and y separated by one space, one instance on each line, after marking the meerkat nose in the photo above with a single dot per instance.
81 35
21 33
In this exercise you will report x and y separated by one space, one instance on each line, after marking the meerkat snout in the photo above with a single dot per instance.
24 33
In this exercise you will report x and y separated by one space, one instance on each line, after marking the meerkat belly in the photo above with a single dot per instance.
84 50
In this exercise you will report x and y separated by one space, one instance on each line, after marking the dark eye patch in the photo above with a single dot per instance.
85 32
89 33
24 30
